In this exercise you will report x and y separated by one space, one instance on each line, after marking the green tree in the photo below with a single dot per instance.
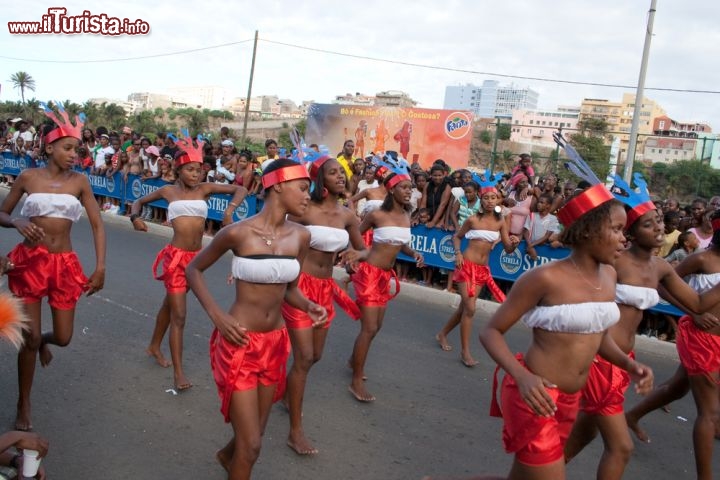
503 131
22 81
485 137
593 149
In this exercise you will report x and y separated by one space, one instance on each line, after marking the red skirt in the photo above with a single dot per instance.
535 440
699 351
39 273
173 260
321 291
604 392
238 368
372 285
473 274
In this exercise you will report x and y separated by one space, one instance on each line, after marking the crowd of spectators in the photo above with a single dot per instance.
441 198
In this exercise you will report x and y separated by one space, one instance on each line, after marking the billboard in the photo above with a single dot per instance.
420 134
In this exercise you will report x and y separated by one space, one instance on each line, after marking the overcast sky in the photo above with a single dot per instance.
580 40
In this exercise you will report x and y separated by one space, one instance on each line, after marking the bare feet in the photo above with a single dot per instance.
159 357
469 361
360 393
223 460
301 444
634 426
182 383
22 419
349 365
46 355
442 340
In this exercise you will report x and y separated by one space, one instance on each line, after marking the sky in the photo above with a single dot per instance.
578 40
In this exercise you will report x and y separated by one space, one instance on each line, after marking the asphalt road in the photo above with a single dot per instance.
108 412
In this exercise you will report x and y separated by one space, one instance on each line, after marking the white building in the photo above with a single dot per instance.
490 100
212 97
535 127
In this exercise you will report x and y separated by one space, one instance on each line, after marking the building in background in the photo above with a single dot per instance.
668 149
491 99
357 99
619 117
394 98
126 105
212 97
535 127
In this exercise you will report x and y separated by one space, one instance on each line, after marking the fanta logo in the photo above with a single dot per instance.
136 188
457 125
511 263
447 249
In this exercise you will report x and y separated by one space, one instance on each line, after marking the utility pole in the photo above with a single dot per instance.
247 100
639 95
493 155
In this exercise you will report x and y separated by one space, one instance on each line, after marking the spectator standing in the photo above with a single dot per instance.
540 226
436 196
671 220
271 154
519 201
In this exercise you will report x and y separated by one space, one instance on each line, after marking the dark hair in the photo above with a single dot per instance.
277 165
436 167
101 131
420 174
472 184
387 204
269 142
346 142
316 195
683 237
670 216
589 224
547 197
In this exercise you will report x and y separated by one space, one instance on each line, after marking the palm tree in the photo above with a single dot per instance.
23 80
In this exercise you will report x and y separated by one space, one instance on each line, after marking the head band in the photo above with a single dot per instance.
285 174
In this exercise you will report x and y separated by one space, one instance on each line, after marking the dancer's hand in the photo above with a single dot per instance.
534 393
706 321
231 329
139 225
643 376
5 265
32 441
28 229
96 282
419 260
458 259
318 314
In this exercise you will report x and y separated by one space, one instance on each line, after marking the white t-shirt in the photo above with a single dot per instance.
27 136
538 226
101 153
415 197
364 185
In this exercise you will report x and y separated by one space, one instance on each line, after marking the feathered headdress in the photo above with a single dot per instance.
12 319
487 182
592 197
65 128
391 169
639 202
191 152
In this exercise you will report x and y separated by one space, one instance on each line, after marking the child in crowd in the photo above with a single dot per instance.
368 181
672 222
540 225
688 243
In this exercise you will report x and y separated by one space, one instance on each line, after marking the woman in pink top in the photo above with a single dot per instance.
520 200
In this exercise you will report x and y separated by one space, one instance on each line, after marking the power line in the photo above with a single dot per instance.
372 59
477 72
127 59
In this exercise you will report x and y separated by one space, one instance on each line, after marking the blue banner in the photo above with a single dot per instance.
437 248
13 165
435 244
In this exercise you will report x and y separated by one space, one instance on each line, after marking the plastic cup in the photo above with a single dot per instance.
31 463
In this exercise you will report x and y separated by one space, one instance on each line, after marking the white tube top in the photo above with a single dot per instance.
702 282
265 268
641 298
55 205
588 317
486 235
328 239
371 205
392 235
187 208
